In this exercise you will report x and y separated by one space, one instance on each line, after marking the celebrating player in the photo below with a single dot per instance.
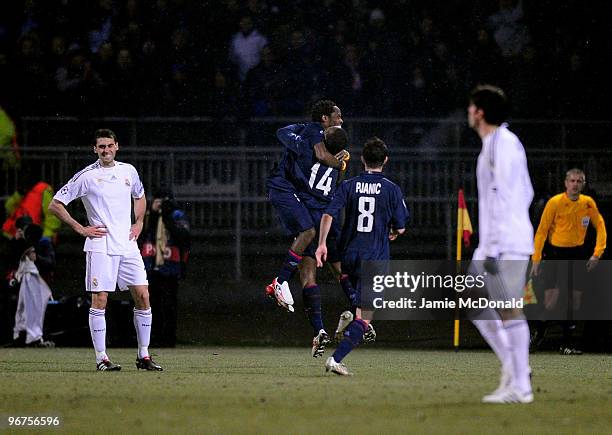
506 240
300 188
112 256
375 214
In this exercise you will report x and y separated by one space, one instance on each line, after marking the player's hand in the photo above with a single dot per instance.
135 230
94 232
535 269
321 255
490 265
393 234
592 263
343 156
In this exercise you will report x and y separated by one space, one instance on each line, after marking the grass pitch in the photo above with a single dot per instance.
284 390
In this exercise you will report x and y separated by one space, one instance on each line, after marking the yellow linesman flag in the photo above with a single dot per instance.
529 296
464 229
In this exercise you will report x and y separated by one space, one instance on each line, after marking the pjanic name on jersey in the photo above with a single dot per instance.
369 188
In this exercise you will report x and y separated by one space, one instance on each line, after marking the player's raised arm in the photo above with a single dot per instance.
290 137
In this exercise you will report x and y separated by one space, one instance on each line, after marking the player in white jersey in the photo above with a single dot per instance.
505 240
107 189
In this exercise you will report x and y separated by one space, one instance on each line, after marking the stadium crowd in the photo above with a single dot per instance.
275 57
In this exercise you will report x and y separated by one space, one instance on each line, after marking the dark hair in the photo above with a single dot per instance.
320 108
492 101
375 152
336 139
33 233
22 222
104 132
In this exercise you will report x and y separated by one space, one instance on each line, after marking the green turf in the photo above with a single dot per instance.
268 390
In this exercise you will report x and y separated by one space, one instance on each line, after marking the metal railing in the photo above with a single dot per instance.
223 188
217 168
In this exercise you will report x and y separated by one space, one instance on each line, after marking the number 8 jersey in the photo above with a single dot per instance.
373 205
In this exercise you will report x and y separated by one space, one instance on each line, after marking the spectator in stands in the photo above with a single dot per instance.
509 31
264 84
245 47
32 199
164 245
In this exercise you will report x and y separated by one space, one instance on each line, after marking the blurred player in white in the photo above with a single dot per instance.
107 188
505 240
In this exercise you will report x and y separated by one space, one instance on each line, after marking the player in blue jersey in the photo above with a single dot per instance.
300 188
375 213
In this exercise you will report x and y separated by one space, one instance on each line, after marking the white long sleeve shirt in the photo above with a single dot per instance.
505 193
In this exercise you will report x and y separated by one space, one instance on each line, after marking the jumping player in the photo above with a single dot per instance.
300 188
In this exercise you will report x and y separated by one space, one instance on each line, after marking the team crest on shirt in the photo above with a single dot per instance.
127 182
585 221
95 282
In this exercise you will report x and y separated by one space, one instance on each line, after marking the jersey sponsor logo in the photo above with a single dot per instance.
369 188
585 221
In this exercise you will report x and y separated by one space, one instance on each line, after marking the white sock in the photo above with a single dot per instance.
142 323
518 333
97 328
497 338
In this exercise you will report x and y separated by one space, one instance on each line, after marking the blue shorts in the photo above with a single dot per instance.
351 265
296 218
292 213
333 237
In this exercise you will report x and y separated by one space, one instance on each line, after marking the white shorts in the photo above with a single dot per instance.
104 272
509 283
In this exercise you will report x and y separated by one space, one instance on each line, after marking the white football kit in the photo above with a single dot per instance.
505 193
107 196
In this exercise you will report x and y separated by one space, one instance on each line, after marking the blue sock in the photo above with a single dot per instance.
350 292
289 267
353 335
312 307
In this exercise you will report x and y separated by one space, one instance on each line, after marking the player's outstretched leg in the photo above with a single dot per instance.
353 335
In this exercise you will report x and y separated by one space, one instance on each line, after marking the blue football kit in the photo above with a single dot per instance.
373 206
300 187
